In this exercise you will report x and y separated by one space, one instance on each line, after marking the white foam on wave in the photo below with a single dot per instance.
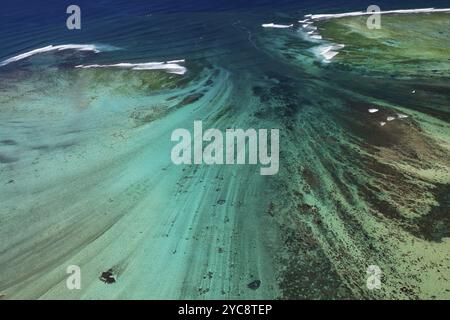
77 47
329 53
338 46
169 66
364 13
277 26
373 110
177 61
310 30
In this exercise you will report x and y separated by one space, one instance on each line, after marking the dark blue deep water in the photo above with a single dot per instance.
158 30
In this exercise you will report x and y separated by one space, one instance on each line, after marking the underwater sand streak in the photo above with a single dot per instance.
166 231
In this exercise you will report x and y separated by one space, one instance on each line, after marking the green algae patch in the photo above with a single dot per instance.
127 81
406 44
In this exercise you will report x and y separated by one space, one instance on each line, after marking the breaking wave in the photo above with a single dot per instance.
77 47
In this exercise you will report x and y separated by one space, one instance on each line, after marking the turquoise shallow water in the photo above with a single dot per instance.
86 177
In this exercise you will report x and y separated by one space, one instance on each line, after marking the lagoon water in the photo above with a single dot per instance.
86 176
